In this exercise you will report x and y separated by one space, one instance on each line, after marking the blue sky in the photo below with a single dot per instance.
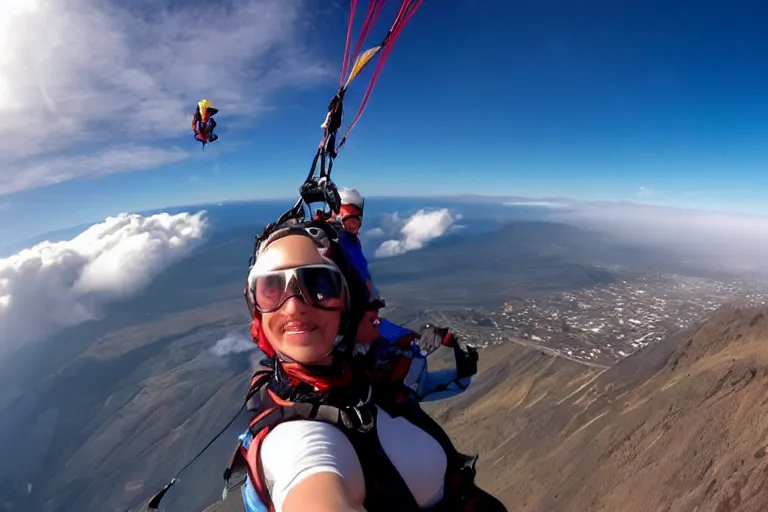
660 102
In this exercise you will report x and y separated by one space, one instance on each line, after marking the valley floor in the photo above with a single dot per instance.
606 323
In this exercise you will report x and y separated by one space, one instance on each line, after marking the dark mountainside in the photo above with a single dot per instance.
103 415
123 417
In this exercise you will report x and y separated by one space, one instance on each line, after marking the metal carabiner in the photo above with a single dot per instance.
367 423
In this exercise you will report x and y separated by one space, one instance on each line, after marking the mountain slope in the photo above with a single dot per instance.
676 426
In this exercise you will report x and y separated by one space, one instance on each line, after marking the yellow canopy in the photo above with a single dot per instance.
361 62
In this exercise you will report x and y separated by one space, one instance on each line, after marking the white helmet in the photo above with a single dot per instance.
353 197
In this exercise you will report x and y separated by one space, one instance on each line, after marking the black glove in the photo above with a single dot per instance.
375 305
466 360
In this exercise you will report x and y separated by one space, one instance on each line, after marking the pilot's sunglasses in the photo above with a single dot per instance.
321 286
351 216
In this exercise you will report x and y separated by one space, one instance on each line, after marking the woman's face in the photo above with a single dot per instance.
298 330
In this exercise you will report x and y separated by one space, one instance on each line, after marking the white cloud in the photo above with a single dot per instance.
233 343
375 233
391 224
86 80
417 231
56 285
109 161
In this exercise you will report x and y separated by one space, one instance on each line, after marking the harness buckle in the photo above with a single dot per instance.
357 418
360 417
364 409
367 423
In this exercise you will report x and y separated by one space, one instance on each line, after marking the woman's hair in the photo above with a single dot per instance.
326 239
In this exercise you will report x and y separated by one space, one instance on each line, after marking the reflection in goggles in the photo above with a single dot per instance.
320 286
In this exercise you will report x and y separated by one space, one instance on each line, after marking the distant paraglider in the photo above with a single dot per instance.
203 122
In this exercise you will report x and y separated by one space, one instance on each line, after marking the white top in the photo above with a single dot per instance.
297 449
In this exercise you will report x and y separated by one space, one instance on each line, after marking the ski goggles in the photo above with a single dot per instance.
357 216
321 286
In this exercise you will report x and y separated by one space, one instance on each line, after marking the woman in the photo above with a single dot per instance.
322 439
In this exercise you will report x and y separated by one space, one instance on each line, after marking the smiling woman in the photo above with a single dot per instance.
322 438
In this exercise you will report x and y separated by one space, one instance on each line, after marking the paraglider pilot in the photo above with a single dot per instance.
203 122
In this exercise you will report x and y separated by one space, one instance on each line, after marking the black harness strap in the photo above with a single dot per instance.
412 412
384 486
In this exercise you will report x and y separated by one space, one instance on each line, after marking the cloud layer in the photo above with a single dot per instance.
416 231
95 87
714 239
56 285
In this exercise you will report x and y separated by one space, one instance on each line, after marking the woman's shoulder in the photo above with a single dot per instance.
299 445
297 449
285 436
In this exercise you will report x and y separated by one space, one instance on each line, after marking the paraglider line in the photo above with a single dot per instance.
328 150
374 8
200 453
345 62
154 502
407 10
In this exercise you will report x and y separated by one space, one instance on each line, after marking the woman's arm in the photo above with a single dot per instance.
311 466
321 492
